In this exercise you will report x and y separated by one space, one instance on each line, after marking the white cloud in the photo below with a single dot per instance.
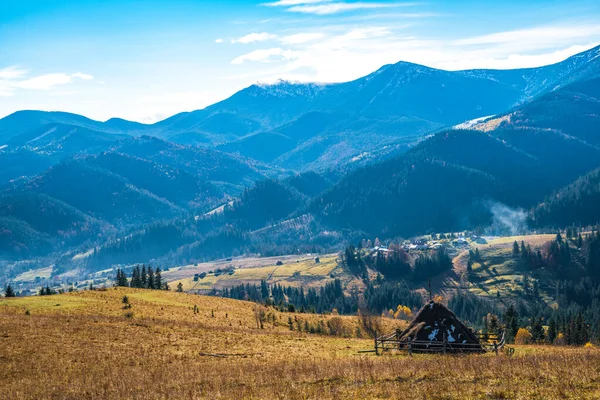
538 35
219 40
12 72
266 55
342 55
286 3
300 38
333 8
83 76
43 82
13 79
254 37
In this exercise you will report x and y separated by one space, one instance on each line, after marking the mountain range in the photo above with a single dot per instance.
405 150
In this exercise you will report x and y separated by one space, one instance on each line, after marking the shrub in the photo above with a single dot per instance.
336 326
588 345
523 336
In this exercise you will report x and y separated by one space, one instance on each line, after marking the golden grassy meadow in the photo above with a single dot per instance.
181 346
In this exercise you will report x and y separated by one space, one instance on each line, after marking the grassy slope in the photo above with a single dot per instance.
499 272
81 345
253 270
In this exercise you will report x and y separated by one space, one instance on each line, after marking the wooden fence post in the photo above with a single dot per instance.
376 345
410 347
444 342
495 347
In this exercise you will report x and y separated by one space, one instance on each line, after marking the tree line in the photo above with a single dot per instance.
142 278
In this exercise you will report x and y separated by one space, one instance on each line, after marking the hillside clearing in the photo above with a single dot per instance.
294 271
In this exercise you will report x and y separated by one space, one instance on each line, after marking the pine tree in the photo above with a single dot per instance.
9 292
121 278
536 289
579 241
158 284
511 319
264 289
552 331
136 281
144 277
180 287
151 284
515 249
537 330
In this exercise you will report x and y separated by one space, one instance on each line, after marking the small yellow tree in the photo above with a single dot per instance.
403 312
523 336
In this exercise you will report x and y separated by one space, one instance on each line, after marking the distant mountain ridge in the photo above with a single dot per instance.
396 102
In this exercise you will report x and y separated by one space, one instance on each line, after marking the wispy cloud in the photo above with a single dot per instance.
335 54
300 38
327 7
538 35
286 3
254 37
334 8
219 40
12 72
14 78
266 55
80 75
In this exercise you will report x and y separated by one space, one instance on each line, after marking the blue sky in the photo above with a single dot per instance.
146 60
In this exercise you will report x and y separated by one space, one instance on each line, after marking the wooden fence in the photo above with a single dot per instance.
488 343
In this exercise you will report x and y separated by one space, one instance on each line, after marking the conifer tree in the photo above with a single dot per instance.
180 287
536 289
9 292
537 330
151 284
511 319
552 331
515 249
143 277
158 284
135 277
121 278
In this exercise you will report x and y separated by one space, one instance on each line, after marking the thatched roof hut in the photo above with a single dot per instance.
435 324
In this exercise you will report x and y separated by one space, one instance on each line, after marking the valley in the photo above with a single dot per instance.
299 199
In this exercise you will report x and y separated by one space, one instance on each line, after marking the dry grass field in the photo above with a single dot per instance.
85 346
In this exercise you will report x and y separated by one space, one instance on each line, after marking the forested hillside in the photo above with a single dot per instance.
517 161
577 203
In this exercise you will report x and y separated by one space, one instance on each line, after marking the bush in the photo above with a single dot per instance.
336 326
523 336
